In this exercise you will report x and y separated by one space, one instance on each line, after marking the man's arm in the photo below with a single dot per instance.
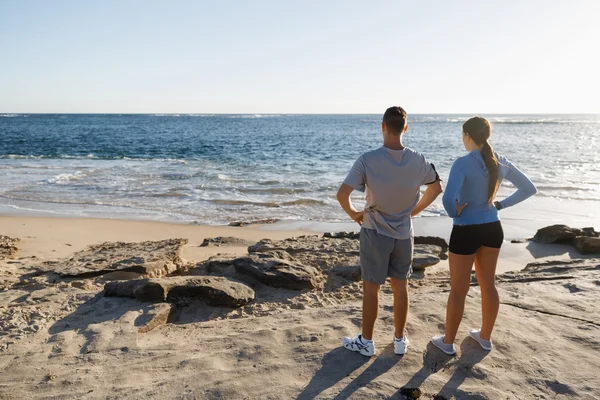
431 193
343 197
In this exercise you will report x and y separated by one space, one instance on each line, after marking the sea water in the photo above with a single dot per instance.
214 169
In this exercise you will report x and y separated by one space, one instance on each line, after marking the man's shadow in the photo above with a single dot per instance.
340 363
335 366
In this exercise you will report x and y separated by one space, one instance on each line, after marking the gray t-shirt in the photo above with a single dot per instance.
393 179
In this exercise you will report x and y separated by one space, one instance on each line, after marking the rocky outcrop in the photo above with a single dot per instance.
279 273
225 241
586 240
587 245
433 240
562 234
214 291
152 259
8 246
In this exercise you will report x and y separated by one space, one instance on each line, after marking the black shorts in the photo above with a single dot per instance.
466 239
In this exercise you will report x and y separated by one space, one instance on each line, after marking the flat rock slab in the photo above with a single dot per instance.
213 290
343 248
8 246
280 273
566 288
225 241
152 259
304 244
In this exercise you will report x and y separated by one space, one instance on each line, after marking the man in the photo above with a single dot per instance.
392 175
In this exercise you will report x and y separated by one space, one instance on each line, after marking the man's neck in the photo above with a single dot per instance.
393 142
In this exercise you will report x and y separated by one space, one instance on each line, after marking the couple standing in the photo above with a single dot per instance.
392 176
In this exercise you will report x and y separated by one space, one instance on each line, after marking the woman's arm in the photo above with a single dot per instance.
455 182
525 188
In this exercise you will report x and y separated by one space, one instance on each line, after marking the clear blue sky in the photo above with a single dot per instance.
300 56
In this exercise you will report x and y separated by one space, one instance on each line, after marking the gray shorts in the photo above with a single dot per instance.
382 256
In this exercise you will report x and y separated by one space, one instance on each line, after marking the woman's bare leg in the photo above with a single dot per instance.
486 260
460 281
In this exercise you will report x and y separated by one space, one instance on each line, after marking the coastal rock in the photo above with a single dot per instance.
434 240
426 255
214 291
225 241
215 265
254 222
151 259
562 234
587 245
351 272
315 251
279 273
342 235
8 246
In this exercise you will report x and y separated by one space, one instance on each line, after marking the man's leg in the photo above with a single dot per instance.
401 302
370 308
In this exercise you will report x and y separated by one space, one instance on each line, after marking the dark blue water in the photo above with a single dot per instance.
214 169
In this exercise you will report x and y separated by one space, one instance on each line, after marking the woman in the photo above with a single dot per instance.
477 233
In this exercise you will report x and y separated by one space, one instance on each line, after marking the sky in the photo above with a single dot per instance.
309 56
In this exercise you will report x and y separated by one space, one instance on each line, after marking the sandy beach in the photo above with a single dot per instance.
63 338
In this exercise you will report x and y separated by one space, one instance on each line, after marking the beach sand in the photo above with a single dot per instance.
65 339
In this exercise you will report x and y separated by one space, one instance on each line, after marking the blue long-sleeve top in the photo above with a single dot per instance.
468 183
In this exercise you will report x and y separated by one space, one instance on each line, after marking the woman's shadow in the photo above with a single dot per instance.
435 360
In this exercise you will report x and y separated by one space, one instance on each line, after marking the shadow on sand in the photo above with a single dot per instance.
339 363
435 360
96 310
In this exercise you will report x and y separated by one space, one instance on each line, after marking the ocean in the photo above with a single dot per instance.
215 169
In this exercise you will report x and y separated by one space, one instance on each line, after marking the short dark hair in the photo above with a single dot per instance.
395 120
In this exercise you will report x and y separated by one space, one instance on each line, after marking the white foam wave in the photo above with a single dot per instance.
61 179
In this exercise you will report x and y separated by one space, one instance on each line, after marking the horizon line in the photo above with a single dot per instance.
283 113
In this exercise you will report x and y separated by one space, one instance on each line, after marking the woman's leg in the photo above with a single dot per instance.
460 281
486 259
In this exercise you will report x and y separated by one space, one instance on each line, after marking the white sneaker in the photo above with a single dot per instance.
485 344
438 342
357 343
401 345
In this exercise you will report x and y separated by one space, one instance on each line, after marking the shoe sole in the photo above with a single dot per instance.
360 352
